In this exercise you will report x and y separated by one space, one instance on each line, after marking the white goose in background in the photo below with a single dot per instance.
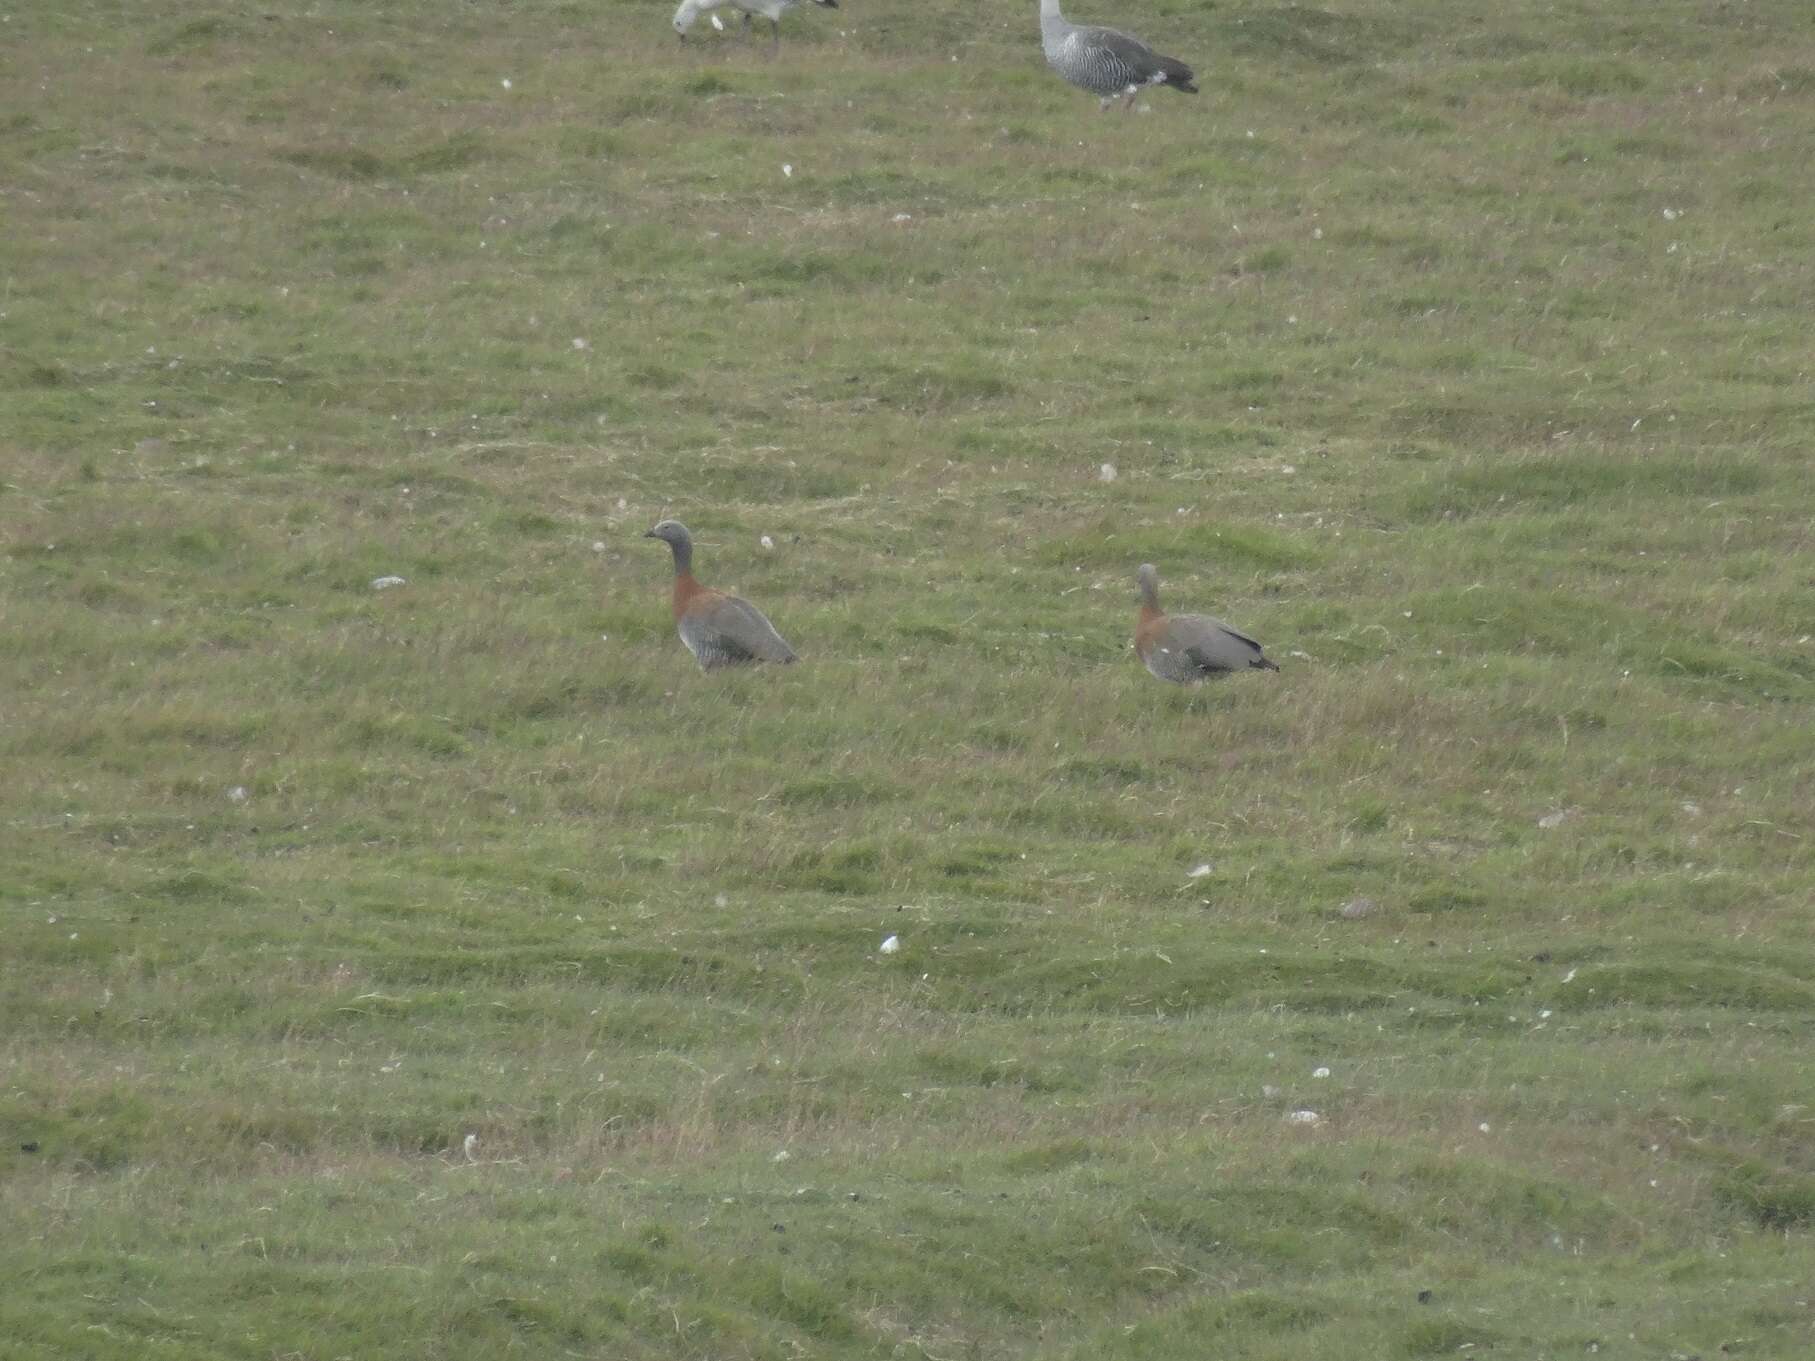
1105 61
772 10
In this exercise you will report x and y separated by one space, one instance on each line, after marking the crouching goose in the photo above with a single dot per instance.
1187 648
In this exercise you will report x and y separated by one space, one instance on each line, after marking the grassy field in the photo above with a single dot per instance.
1460 353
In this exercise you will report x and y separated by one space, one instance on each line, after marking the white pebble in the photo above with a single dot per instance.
579 342
780 1157
891 945
1303 1118
238 793
470 1144
1320 1072
505 82
1198 871
767 542
1106 473
385 583
787 172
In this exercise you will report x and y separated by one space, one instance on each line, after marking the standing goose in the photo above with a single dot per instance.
1106 62
772 10
718 629
1188 648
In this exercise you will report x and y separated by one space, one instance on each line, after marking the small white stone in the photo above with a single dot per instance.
787 172
470 1146
890 945
1303 1118
1269 1091
767 542
385 583
720 900
1199 871
1553 820
903 217
1671 214
780 1157
238 793
505 82
598 545
1320 1072
1484 1127
1106 473
579 342
717 23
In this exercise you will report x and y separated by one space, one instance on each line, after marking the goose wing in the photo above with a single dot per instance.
1212 646
727 630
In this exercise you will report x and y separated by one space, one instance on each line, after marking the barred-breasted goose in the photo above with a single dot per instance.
1105 61
1187 648
718 629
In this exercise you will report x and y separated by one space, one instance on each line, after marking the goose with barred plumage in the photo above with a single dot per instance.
1188 648
1105 61
719 629
772 10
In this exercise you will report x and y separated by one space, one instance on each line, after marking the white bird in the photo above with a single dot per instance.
772 10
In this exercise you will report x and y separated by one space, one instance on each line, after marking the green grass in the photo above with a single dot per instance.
1463 358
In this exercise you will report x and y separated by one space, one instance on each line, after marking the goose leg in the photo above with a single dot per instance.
746 25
